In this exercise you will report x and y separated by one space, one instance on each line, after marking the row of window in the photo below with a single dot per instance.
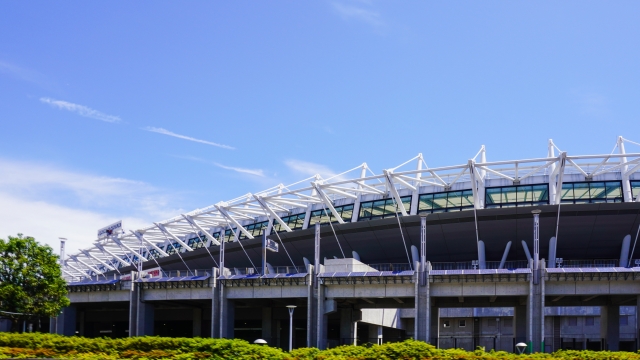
571 321
448 201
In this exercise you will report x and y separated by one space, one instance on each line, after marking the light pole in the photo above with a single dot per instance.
291 308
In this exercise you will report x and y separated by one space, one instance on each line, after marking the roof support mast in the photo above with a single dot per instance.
626 186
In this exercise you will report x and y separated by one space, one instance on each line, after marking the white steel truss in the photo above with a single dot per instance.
316 193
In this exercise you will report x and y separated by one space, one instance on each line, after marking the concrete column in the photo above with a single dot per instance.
312 306
145 320
267 324
520 317
535 314
215 304
197 322
613 328
422 308
347 319
134 301
434 326
321 328
65 323
227 315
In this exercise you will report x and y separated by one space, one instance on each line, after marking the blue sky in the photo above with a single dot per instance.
139 111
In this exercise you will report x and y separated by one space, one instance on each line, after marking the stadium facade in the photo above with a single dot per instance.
486 253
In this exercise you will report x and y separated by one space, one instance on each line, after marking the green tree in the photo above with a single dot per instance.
31 283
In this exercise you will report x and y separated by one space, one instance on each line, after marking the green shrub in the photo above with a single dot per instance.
36 345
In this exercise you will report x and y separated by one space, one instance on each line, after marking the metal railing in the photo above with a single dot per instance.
469 265
470 343
591 263
181 273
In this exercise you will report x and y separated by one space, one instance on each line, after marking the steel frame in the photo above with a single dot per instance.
317 193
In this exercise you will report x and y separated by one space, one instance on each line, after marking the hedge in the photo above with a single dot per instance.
35 345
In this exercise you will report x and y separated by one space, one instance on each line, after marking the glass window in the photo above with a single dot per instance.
520 195
446 323
592 192
462 323
229 234
324 216
380 209
197 242
589 321
635 189
173 248
255 229
294 222
445 201
216 235
624 320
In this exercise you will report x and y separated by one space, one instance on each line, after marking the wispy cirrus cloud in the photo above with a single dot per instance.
185 137
254 172
359 13
81 110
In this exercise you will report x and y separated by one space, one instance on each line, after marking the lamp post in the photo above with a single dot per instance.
291 308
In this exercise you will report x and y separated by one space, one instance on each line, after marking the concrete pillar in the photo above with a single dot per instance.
197 322
215 304
434 326
347 331
321 328
422 308
312 306
145 320
227 315
267 324
65 323
133 308
613 328
520 317
535 314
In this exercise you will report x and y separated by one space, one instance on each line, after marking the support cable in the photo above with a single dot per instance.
285 250
402 233
245 251
634 247
177 252
334 230
205 245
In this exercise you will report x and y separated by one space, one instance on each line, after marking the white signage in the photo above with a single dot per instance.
272 245
115 228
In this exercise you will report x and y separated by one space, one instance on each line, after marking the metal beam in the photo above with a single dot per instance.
191 221
88 254
266 207
117 257
134 252
167 232
156 247
327 202
235 222
394 192
78 261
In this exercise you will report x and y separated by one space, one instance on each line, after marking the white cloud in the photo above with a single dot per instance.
309 169
25 75
354 12
184 137
81 110
45 201
256 172
46 222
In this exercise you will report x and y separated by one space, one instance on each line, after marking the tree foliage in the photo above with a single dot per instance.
31 281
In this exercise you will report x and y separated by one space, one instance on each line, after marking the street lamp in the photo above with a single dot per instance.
260 342
291 308
521 346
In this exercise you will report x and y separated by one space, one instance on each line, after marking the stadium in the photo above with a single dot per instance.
540 251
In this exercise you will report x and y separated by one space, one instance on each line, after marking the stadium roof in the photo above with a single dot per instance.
411 178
